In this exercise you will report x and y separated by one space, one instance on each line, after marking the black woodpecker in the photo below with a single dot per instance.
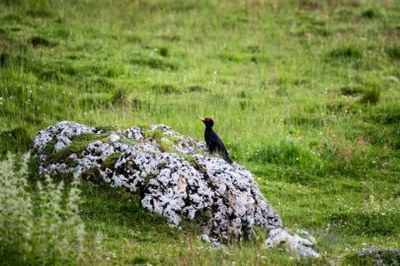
213 141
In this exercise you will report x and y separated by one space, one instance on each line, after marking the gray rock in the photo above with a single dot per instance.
179 182
382 256
302 246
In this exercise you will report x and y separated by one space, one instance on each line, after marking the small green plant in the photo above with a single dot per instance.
190 159
165 144
163 51
153 62
111 160
42 225
351 90
371 96
371 13
346 52
393 52
49 147
79 143
165 88
40 41
120 97
155 134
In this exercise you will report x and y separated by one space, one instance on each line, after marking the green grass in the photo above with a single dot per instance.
304 94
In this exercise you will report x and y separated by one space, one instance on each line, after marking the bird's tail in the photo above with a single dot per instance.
224 154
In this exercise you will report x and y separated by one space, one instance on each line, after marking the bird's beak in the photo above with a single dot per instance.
201 118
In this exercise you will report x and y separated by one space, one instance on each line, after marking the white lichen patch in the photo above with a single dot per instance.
62 132
183 181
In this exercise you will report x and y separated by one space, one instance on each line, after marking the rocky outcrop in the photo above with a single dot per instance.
173 174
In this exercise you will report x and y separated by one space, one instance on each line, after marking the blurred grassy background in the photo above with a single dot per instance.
304 93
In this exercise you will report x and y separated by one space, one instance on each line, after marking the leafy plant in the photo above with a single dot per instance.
41 225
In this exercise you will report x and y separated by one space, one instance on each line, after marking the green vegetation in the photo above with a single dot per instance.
41 227
304 94
111 160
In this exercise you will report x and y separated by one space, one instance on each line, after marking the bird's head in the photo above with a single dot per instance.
208 121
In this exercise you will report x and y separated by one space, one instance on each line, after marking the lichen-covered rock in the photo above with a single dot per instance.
301 245
380 256
173 174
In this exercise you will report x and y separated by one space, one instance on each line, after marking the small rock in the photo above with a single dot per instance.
280 237
382 256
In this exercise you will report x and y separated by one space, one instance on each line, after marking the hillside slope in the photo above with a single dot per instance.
304 94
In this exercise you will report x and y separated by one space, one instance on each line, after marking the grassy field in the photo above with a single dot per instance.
304 93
